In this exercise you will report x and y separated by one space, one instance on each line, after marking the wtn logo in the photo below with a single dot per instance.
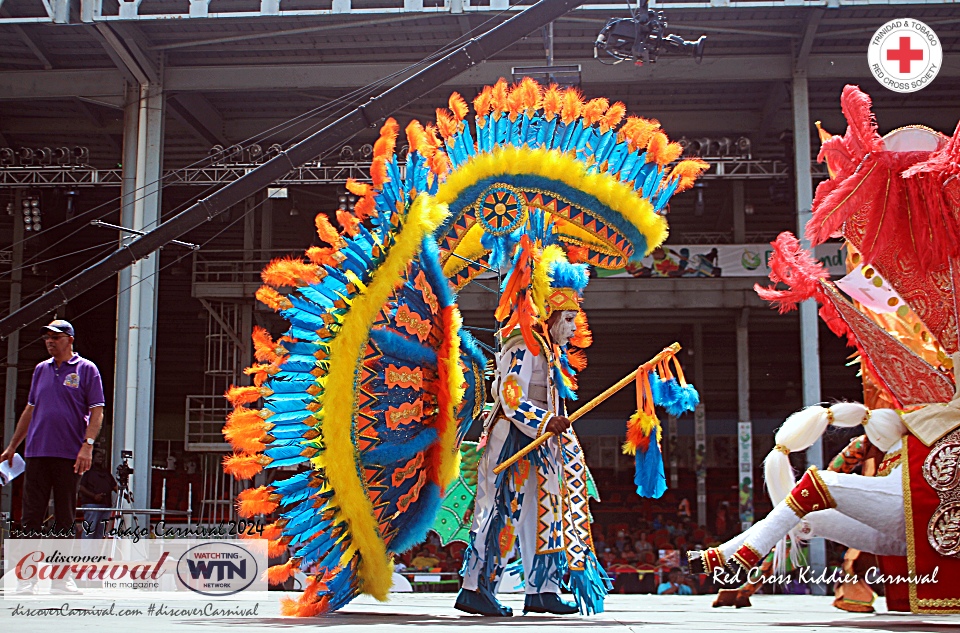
224 568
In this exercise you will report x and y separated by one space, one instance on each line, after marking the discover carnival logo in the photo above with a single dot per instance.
905 55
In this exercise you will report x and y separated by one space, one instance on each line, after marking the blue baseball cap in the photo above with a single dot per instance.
59 326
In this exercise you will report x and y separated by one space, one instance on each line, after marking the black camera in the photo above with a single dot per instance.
124 470
642 38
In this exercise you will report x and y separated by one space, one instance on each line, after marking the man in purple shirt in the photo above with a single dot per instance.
60 423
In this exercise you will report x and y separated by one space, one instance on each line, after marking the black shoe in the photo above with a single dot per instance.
476 603
548 603
696 562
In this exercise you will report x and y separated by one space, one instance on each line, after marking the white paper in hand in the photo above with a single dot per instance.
9 472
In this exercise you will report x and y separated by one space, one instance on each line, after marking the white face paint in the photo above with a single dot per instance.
564 327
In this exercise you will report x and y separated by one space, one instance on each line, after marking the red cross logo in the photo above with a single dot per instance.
905 55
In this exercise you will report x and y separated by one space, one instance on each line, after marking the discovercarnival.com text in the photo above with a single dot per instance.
155 609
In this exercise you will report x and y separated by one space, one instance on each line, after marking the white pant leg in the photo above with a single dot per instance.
874 501
527 526
483 507
838 527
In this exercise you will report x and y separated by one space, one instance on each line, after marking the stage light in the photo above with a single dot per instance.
366 151
723 146
643 38
235 154
216 154
346 154
81 155
25 156
62 155
254 153
8 157
743 148
748 208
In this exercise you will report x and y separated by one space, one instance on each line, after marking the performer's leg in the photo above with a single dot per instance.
836 526
527 526
874 501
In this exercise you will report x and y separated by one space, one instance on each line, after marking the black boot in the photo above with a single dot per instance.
548 603
477 603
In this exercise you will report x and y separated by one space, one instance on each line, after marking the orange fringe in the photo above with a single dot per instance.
593 110
254 501
552 102
348 221
582 336
273 299
613 117
577 359
327 233
572 105
483 102
290 271
458 106
243 466
577 254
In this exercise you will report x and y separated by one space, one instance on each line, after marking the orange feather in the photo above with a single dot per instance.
594 109
324 256
261 372
290 271
244 395
446 123
458 106
532 95
439 164
572 105
387 143
264 347
276 547
639 131
612 118
657 147
254 501
272 531
483 102
243 466
577 359
688 171
552 102
416 136
276 574
365 207
431 142
327 233
582 336
359 189
378 172
514 102
498 98
348 221
577 254
273 299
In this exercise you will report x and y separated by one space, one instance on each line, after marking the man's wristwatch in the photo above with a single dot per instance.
91 441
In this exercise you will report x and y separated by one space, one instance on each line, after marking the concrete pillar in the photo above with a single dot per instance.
745 426
809 336
135 431
10 412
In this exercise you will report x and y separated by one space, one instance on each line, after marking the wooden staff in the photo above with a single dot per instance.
665 353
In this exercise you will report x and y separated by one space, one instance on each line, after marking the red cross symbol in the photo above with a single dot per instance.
905 54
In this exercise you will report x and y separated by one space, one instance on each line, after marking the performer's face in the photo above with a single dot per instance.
563 326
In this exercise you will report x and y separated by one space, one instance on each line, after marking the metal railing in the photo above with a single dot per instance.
205 416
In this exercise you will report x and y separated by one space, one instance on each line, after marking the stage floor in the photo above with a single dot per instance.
434 612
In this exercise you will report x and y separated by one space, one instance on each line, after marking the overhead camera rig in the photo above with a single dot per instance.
642 38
